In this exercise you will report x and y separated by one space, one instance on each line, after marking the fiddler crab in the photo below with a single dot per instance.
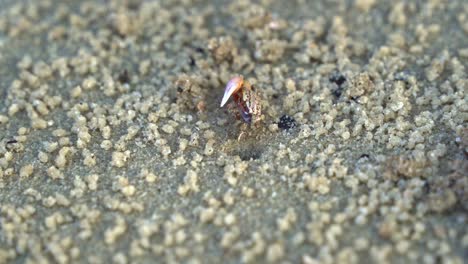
245 97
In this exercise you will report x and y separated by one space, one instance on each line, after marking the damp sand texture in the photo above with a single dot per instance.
114 148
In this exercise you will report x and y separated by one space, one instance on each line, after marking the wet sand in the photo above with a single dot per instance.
114 148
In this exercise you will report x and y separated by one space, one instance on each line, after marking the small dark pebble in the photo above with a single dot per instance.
9 144
105 46
286 122
250 155
13 141
337 78
124 77
451 183
364 156
134 5
200 50
192 61
337 93
426 187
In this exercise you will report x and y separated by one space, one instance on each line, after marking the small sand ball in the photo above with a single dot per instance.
92 181
38 123
248 192
62 158
273 127
148 176
106 144
290 85
128 190
364 5
26 170
318 183
222 48
270 50
25 62
397 14
76 92
106 132
119 158
228 198
207 215
442 200
89 83
183 144
3 119
144 67
190 183
166 150
437 67
230 219
229 238
360 85
125 23
120 258
168 129
112 234
42 156
275 252
209 148
54 173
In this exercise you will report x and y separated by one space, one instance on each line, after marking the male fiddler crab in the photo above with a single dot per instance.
245 97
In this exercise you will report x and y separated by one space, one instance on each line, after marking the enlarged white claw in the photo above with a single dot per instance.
232 86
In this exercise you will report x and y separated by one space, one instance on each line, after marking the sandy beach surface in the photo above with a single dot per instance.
114 148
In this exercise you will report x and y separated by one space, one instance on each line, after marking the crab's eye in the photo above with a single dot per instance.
232 87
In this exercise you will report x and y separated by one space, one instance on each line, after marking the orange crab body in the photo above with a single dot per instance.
245 97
